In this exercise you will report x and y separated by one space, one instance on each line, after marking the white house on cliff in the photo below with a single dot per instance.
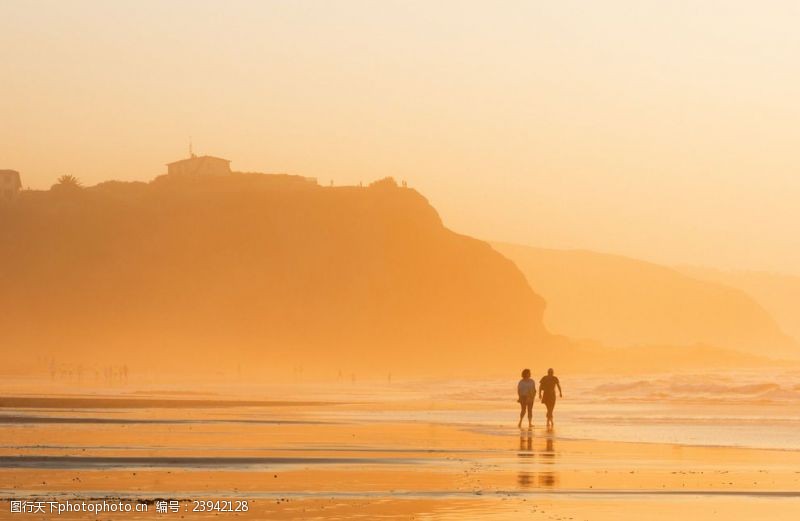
199 166
10 184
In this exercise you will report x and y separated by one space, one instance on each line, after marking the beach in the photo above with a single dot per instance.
405 450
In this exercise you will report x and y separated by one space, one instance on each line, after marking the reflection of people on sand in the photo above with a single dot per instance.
549 451
525 477
548 478
525 444
526 390
547 394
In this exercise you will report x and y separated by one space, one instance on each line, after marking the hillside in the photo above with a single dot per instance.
270 273
621 302
779 294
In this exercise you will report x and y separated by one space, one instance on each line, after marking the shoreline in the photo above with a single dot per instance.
438 455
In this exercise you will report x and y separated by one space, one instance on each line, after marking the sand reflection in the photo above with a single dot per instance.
528 476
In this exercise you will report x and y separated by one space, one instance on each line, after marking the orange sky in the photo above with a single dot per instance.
662 130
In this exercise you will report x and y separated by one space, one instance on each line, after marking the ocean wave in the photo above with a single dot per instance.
638 385
748 387
710 388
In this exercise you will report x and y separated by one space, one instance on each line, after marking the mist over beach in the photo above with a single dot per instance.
395 260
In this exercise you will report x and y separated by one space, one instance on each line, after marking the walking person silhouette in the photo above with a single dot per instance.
547 394
526 390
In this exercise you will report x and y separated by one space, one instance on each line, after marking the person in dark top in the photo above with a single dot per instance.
547 394
526 393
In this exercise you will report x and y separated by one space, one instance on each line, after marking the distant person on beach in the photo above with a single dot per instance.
547 394
526 390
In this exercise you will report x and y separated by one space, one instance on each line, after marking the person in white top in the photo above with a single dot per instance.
526 390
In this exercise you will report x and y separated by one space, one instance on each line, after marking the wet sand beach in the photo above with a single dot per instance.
419 456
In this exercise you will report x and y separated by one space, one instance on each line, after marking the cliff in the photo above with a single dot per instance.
272 273
778 293
624 302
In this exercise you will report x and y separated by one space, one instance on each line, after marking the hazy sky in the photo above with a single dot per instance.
666 130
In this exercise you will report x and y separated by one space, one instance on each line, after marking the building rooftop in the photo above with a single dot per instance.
197 158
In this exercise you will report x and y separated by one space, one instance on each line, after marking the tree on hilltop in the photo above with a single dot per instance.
66 183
